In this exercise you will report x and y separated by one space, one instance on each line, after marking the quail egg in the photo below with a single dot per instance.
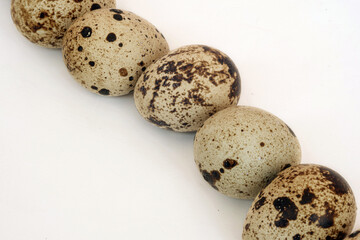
45 22
241 149
185 87
303 202
108 49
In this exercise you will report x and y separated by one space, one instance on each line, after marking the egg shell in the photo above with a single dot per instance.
45 22
304 202
108 49
185 87
241 149
354 236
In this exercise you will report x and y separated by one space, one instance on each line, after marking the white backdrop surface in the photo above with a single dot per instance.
77 166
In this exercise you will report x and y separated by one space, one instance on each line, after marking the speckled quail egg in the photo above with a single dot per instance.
353 236
302 202
241 149
45 22
108 49
185 87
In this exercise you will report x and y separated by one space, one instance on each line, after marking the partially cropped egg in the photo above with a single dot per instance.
187 86
241 149
107 50
45 22
303 202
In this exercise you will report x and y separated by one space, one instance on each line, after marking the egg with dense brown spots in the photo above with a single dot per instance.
184 88
353 236
108 49
45 22
303 202
241 149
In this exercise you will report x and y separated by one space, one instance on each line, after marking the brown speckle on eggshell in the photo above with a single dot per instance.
303 202
107 49
187 86
45 22
249 146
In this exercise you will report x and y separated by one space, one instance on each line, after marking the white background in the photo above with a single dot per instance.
78 166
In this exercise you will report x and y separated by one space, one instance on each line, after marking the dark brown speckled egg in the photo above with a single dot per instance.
187 86
44 22
303 202
108 49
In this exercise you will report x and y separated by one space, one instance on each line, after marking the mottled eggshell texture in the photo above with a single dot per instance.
184 88
303 202
241 149
44 22
354 236
108 49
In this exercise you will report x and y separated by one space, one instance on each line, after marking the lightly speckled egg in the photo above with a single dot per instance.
241 149
108 49
185 87
44 22
302 202
353 236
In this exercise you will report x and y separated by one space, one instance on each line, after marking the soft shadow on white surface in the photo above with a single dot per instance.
74 165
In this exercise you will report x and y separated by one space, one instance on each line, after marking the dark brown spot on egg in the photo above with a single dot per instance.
307 197
142 89
95 6
211 177
36 27
340 236
353 235
116 11
168 68
338 184
327 220
297 237
262 144
43 15
123 72
157 122
235 89
104 91
155 95
118 17
94 87
313 218
111 37
91 63
229 163
80 48
260 203
176 85
86 32
287 211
